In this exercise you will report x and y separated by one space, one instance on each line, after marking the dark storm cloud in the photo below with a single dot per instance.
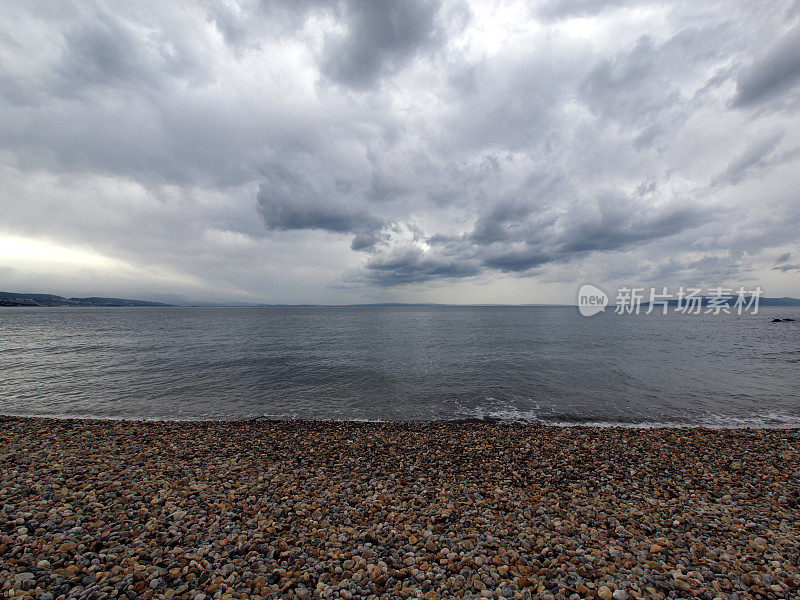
366 239
774 73
290 201
516 261
379 38
498 223
413 265
617 227
608 222
281 213
515 237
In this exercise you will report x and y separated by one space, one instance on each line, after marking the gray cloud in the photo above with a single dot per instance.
244 25
282 213
758 155
516 261
104 53
775 72
783 264
517 237
291 201
499 222
565 9
413 265
368 238
642 88
618 224
622 88
380 38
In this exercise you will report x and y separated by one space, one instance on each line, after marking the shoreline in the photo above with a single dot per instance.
735 423
344 509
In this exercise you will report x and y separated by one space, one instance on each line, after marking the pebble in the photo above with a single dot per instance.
604 593
297 509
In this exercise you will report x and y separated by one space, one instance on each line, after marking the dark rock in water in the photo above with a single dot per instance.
776 320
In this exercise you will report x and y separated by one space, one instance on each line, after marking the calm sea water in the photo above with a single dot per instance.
539 364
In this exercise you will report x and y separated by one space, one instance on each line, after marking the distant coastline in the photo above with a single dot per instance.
52 300
22 299
19 299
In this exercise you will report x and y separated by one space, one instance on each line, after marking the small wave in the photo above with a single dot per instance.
503 411
491 411
770 419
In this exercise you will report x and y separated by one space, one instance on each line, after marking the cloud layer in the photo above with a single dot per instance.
444 151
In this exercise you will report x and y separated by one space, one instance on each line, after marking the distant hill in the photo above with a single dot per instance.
15 299
779 302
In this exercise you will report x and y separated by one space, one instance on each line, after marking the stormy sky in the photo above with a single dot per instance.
436 151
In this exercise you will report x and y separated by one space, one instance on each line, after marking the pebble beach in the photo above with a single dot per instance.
313 509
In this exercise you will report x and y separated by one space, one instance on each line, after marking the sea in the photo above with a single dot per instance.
535 364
